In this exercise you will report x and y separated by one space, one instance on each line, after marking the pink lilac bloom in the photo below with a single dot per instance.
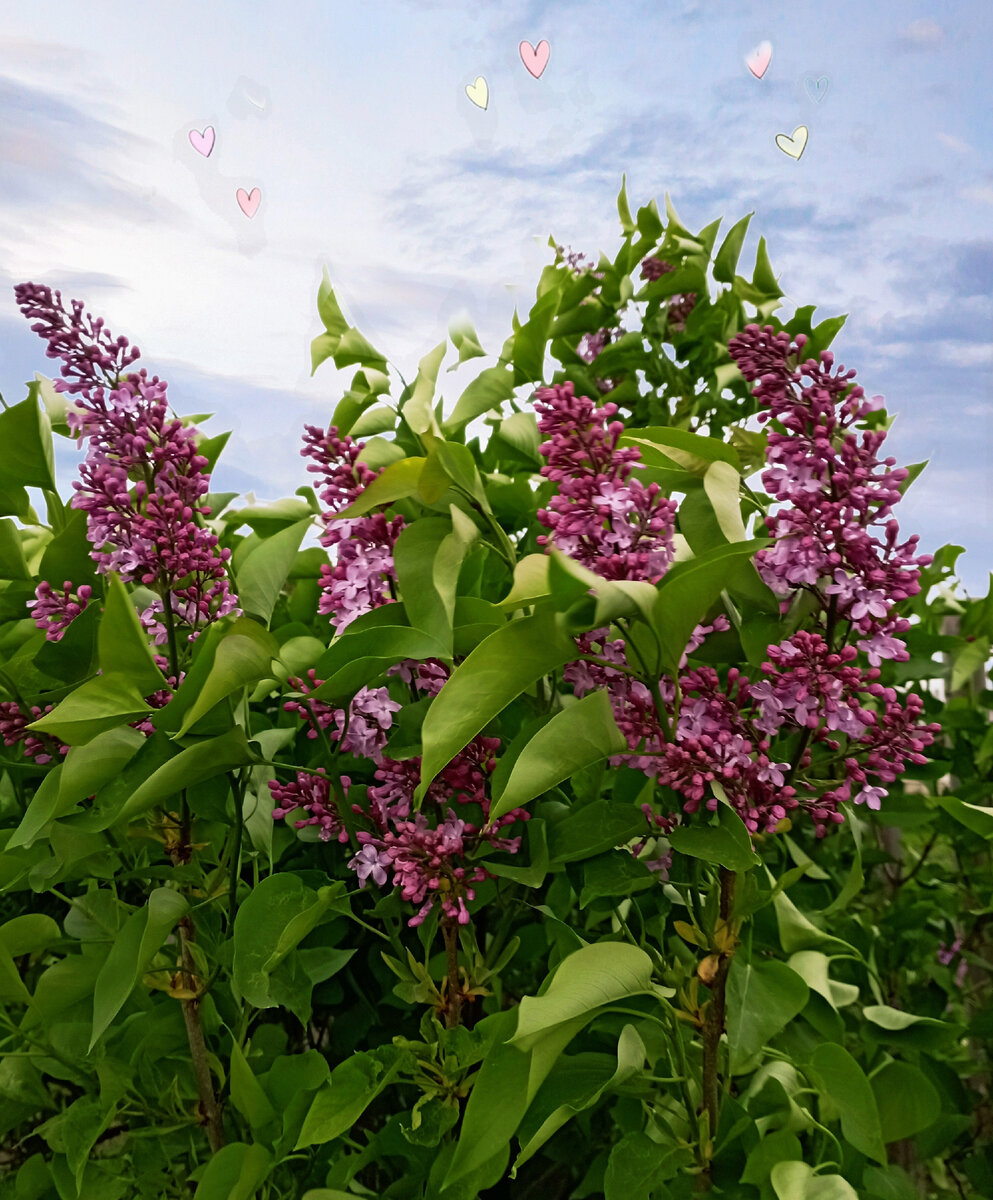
431 863
427 865
837 494
54 611
363 572
14 731
311 793
601 516
148 531
370 718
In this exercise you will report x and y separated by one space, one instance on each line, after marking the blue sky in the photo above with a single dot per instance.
353 121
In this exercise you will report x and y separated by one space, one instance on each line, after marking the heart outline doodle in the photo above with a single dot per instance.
249 202
203 143
758 60
535 58
813 87
478 92
793 145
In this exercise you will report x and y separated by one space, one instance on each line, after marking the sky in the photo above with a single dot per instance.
353 122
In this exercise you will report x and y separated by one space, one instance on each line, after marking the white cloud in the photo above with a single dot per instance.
954 143
923 32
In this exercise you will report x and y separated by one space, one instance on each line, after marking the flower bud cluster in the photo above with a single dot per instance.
54 611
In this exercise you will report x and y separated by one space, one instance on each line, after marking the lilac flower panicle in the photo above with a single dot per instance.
363 572
601 516
54 612
143 480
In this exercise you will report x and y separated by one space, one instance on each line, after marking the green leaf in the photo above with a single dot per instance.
615 874
26 458
812 966
355 659
12 563
96 705
465 340
782 1145
205 759
583 1089
593 829
531 339
353 1086
530 582
908 1029
584 983
341 342
122 643
417 412
131 955
762 998
497 1102
623 211
578 736
235 1172
501 667
520 431
971 658
366 386
797 932
797 1181
727 844
842 1080
691 451
763 279
488 391
276 916
637 1164
726 260
84 770
906 1099
265 569
688 590
242 656
395 482
977 817
28 934
722 484
428 557
247 1094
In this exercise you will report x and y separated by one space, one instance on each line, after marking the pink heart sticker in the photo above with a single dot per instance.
202 143
536 60
249 204
759 59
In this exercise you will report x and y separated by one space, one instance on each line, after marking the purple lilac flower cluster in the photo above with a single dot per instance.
429 860
142 482
427 852
606 520
680 306
14 722
363 572
834 489
365 730
722 735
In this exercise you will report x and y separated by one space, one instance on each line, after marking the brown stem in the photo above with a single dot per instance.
713 1025
453 1008
210 1109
